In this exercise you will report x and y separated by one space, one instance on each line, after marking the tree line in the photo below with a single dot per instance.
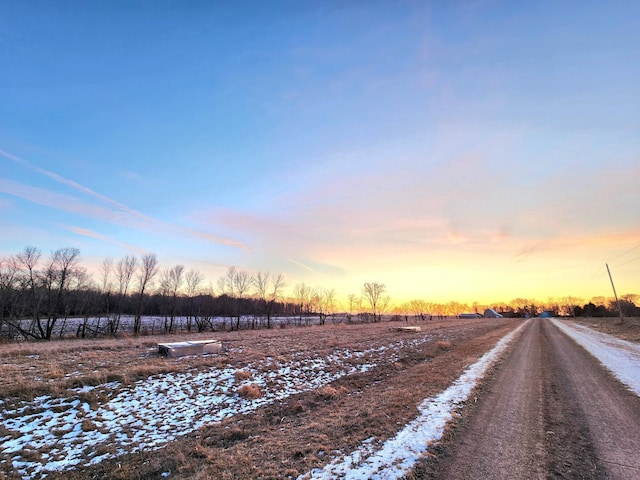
39 295
568 306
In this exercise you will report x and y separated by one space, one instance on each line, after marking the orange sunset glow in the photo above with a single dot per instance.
476 152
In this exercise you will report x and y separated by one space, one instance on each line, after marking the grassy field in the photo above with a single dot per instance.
629 329
292 397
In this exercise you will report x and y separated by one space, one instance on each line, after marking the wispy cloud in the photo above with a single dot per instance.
318 268
301 265
112 210
104 238
568 243
57 201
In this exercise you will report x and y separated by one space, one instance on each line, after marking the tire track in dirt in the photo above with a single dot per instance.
508 414
290 437
549 411
568 439
609 411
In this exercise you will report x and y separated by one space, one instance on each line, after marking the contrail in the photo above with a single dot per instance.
123 208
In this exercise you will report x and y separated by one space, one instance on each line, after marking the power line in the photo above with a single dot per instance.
598 273
628 261
627 251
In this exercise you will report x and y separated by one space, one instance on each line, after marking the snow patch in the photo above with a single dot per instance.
399 454
620 357
162 408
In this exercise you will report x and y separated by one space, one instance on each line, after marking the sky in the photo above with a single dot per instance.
464 150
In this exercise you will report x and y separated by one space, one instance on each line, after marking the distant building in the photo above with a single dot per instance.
491 313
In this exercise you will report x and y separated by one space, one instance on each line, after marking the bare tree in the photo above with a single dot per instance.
260 285
419 308
523 307
351 302
125 269
373 293
8 276
456 308
242 281
315 300
235 283
62 266
384 305
148 269
500 307
88 298
268 289
222 287
106 269
424 309
28 261
164 291
302 296
173 280
193 278
476 306
275 292
325 302
569 304
229 281
354 305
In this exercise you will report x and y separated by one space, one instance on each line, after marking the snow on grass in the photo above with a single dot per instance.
395 457
54 434
620 357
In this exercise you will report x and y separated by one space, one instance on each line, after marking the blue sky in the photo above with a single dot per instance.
479 150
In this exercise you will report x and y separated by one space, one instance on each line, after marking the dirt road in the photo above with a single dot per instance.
550 411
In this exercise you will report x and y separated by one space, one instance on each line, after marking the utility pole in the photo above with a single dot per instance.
615 294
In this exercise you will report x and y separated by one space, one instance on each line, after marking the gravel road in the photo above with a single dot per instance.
549 411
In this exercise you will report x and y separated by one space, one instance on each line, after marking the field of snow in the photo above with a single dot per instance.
395 457
620 357
49 434
57 434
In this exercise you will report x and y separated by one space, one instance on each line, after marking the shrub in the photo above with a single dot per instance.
241 375
249 391
328 392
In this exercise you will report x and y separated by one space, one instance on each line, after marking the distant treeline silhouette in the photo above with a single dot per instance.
44 297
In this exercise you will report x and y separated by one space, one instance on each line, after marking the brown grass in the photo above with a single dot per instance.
88 425
249 391
52 368
329 392
289 437
627 330
241 375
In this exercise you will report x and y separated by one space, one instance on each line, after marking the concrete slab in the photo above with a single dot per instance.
195 347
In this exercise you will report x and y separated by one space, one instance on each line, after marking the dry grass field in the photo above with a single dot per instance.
389 374
627 330
290 423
